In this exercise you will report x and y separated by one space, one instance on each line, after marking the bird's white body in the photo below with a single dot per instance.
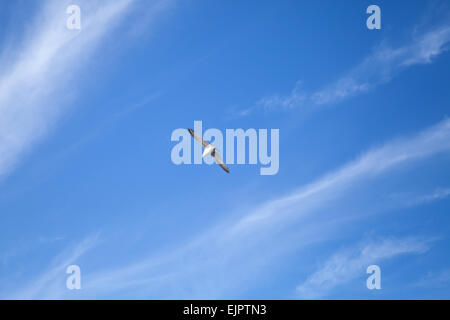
208 150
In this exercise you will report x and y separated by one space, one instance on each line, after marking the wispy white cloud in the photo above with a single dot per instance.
41 68
376 69
239 249
349 264
49 284
384 64
438 194
374 162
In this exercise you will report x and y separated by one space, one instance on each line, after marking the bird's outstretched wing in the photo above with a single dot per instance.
199 139
220 162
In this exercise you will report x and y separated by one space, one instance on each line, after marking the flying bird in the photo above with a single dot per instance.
209 149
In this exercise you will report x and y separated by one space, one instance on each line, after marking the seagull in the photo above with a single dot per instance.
209 149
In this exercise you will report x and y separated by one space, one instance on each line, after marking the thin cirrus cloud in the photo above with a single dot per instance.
42 69
48 281
376 69
349 264
425 144
438 194
218 262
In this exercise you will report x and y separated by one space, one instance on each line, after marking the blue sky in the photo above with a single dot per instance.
86 176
